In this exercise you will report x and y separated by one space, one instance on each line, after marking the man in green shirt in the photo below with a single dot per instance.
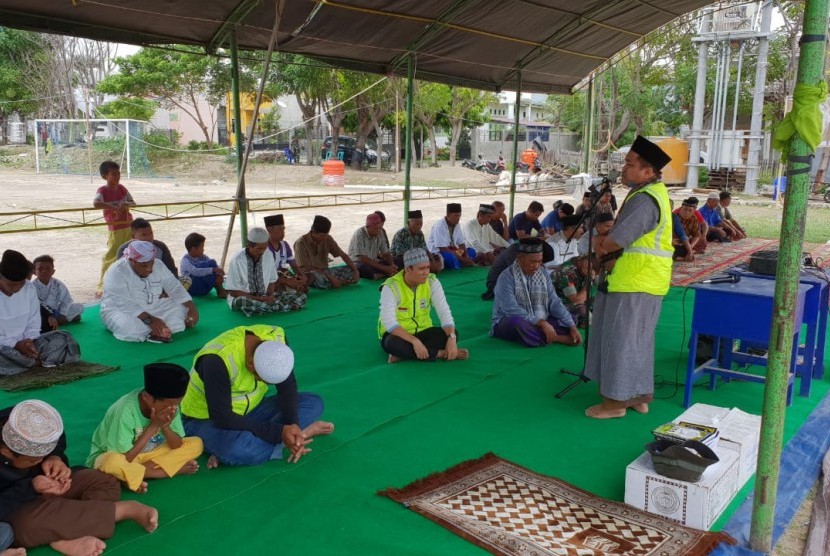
142 436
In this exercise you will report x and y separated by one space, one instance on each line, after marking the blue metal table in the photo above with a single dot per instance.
816 305
740 311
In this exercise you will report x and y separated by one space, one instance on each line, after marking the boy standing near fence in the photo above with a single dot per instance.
115 201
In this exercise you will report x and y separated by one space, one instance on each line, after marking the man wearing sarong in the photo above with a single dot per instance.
22 346
251 281
621 347
312 251
412 236
447 240
226 403
142 437
405 326
143 301
526 309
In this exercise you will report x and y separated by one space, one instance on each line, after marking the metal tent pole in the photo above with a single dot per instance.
517 111
810 72
407 171
696 137
756 121
589 127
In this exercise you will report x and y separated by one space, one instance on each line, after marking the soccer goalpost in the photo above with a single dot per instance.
78 146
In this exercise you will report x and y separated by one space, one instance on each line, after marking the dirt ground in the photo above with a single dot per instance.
78 251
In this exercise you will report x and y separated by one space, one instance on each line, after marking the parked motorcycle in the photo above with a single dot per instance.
467 163
487 166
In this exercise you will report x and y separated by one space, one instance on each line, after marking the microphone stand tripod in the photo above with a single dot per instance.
580 376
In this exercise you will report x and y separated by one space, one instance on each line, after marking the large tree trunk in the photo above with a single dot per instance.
434 145
455 135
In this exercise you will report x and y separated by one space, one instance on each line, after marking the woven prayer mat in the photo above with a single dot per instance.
507 509
717 258
40 377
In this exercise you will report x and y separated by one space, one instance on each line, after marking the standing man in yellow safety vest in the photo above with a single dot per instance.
621 345
226 404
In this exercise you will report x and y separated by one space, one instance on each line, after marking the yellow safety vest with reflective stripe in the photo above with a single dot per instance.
645 265
246 391
413 307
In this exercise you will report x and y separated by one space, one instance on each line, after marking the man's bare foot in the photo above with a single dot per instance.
318 428
213 462
146 516
189 468
599 411
463 353
14 552
640 407
142 488
84 546
392 359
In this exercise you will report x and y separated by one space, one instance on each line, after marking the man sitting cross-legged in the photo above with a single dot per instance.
479 235
251 281
312 251
143 301
46 501
411 236
370 248
22 346
226 404
142 436
526 308
447 240
405 326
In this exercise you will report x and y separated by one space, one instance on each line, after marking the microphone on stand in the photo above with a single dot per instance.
731 279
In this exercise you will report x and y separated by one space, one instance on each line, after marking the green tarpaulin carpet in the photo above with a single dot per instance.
394 424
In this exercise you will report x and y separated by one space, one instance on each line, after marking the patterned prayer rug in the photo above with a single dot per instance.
507 509
717 258
39 377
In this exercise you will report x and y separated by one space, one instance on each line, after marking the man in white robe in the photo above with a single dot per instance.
133 307
21 344
481 236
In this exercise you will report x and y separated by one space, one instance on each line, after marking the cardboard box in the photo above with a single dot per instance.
695 505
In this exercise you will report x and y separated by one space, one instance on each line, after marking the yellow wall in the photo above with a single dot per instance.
246 107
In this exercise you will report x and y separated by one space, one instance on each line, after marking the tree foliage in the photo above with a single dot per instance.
133 109
20 53
175 79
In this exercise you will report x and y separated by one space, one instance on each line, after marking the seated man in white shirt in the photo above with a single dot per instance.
481 236
565 242
21 344
447 239
252 278
143 301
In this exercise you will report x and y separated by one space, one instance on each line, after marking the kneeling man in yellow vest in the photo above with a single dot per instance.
405 326
226 404
142 437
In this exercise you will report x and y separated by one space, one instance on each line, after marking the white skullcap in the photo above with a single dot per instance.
258 235
33 429
273 361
